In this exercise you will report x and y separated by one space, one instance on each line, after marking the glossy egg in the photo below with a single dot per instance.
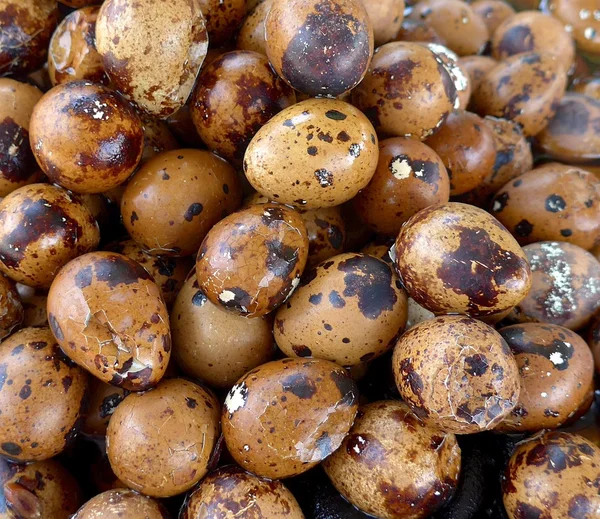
493 12
386 18
476 67
251 35
222 18
12 313
581 16
459 76
118 503
157 138
103 400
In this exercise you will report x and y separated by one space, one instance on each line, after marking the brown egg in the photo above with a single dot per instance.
251 35
42 396
456 373
556 369
251 261
552 475
380 248
583 21
182 126
319 48
463 31
327 152
286 416
466 146
230 490
386 436
214 345
103 400
525 88
42 489
160 442
107 314
42 228
25 30
34 306
493 12
175 198
101 209
459 76
588 85
457 258
12 313
410 176
593 339
119 503
476 67
348 310
157 138
386 18
234 97
222 18
394 101
85 137
416 30
552 202
565 286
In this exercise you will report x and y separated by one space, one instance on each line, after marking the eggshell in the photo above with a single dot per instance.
34 305
103 400
458 75
416 30
584 23
476 67
386 18
251 35
12 312
157 138
493 12
222 18
118 503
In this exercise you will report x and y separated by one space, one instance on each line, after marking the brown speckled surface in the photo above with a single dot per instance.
12 313
121 503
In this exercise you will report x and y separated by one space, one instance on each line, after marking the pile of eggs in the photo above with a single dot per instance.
323 259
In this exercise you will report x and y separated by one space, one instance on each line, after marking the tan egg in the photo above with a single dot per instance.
410 176
157 73
457 258
327 152
251 35
556 370
349 309
476 67
466 146
463 30
286 416
119 503
457 374
42 396
25 30
565 286
214 345
552 475
230 490
222 18
157 138
416 30
380 248
251 261
34 305
386 18
103 400
107 314
582 20
17 163
493 12
395 90
234 97
319 48
85 137
72 54
551 202
386 436
459 76
12 312
160 442
42 228
175 198
42 489
524 88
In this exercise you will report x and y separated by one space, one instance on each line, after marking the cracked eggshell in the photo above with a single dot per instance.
42 228
156 72
108 315
456 373
103 400
160 442
457 73
386 436
119 503
251 261
349 309
12 312
42 396
286 416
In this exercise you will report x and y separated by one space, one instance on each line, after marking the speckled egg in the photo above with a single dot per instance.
525 88
466 146
417 314
380 248
458 258
552 475
42 396
349 309
319 47
395 90
251 35
565 285
386 436
34 305
584 21
230 490
476 67
251 261
12 313
17 163
158 72
493 12
456 373
552 202
234 97
157 138
25 30
175 198
161 442
43 489
222 18
120 503
593 340
108 315
416 30
214 345
327 152
103 400
319 401
386 18
42 228
85 137
556 369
